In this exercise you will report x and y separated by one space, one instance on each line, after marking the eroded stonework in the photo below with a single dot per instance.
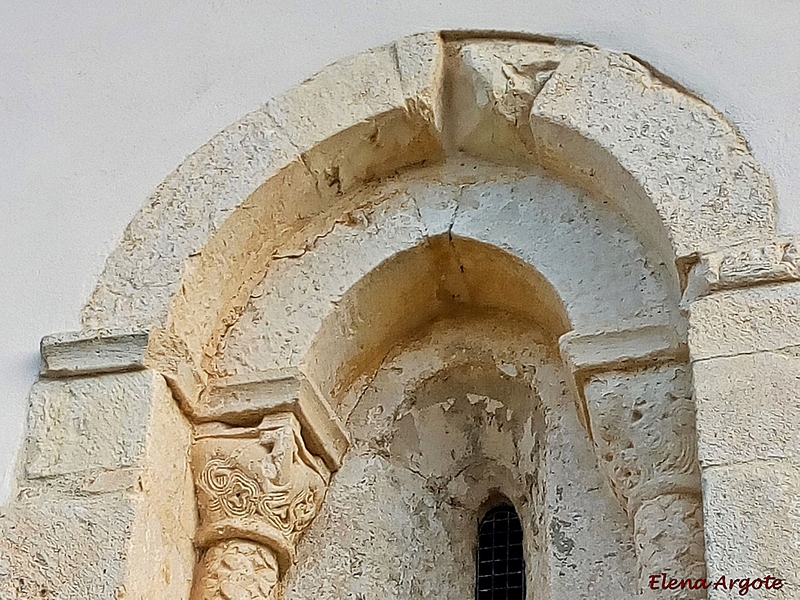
445 273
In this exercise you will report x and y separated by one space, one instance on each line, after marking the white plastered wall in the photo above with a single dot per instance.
99 101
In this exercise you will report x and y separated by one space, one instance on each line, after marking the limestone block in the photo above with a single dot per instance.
752 524
86 423
144 271
419 60
84 353
693 165
501 212
776 261
746 320
108 487
748 407
490 88
345 93
62 548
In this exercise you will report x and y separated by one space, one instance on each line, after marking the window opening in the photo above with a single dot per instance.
500 564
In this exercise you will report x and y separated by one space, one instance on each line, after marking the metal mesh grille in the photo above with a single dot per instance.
500 560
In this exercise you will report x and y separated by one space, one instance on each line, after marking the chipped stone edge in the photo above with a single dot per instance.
73 354
237 401
586 354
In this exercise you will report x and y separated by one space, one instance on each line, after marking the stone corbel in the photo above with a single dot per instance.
777 261
259 487
634 394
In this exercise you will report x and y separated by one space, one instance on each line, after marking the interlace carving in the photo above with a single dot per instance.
258 490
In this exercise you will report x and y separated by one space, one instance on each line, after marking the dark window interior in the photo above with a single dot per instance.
500 561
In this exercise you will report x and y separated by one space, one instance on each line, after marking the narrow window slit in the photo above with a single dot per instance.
500 560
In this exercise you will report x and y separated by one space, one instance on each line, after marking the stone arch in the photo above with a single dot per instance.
275 184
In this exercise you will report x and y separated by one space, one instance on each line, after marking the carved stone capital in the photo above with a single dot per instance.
634 392
258 489
258 483
643 429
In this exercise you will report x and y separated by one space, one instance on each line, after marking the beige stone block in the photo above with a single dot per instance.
748 407
752 520
62 548
341 95
693 165
746 320
108 508
86 423
82 353
144 271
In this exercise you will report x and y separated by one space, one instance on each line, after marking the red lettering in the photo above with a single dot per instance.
732 583
744 586
720 582
673 584
758 581
686 583
767 584
654 582
777 584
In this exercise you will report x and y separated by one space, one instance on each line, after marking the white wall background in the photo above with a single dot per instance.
100 100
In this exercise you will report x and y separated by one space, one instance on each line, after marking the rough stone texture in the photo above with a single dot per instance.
693 165
751 513
243 401
258 489
291 307
88 423
670 517
643 427
748 408
106 508
472 409
745 321
774 262
60 547
70 354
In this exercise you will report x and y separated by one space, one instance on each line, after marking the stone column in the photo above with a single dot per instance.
635 398
259 487
745 348
643 428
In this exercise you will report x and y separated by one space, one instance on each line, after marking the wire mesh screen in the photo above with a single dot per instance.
500 561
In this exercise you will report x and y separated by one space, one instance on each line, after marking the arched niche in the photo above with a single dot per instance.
673 184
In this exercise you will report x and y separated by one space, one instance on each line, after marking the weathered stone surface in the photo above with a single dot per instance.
81 353
744 321
472 409
658 524
642 424
588 353
89 423
753 524
693 165
774 262
341 232
246 400
291 304
748 408
63 548
94 519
